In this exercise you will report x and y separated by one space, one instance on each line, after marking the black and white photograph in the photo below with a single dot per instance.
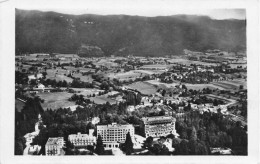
118 79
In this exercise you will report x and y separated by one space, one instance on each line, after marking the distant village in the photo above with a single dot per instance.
191 104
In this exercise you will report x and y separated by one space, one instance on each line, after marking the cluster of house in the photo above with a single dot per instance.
31 149
115 134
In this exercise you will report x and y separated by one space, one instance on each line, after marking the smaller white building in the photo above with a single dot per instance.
34 77
34 149
82 140
41 86
54 146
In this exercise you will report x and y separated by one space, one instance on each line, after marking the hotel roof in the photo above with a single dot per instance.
115 125
55 141
157 119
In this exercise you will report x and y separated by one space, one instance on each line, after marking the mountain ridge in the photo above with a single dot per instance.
50 32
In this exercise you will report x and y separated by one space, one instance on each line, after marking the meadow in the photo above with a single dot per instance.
59 75
143 87
56 100
234 84
189 62
125 75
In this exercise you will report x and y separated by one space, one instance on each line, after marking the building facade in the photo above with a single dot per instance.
82 140
54 146
159 126
114 134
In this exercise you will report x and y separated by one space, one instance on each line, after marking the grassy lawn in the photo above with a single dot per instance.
19 105
143 87
125 75
86 91
56 100
189 62
149 72
201 86
102 100
87 78
158 83
59 75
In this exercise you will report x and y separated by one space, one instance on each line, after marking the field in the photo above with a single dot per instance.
235 65
102 100
59 76
19 105
149 72
201 86
189 62
125 76
55 100
163 85
143 87
86 91
97 99
221 85
86 78
156 67
80 69
234 84
189 86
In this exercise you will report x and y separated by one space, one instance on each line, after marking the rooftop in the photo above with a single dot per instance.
55 141
115 125
157 119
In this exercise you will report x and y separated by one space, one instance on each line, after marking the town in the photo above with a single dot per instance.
194 103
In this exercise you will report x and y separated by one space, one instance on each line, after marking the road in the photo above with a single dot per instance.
231 102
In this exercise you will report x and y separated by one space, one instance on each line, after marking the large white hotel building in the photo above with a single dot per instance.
54 146
82 140
114 134
159 126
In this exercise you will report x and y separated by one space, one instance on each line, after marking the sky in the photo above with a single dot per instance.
220 9
213 13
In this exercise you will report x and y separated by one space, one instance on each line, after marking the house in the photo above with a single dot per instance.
83 140
114 134
41 86
54 146
34 149
34 77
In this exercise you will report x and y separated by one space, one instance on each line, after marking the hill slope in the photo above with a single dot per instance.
123 35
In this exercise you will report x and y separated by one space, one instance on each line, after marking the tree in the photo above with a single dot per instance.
64 83
100 150
19 146
193 135
44 75
215 102
128 145
33 82
148 142
202 134
183 148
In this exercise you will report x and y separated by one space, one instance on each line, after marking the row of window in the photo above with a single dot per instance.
81 140
116 130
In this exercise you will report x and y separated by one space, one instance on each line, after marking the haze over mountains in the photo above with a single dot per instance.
95 35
